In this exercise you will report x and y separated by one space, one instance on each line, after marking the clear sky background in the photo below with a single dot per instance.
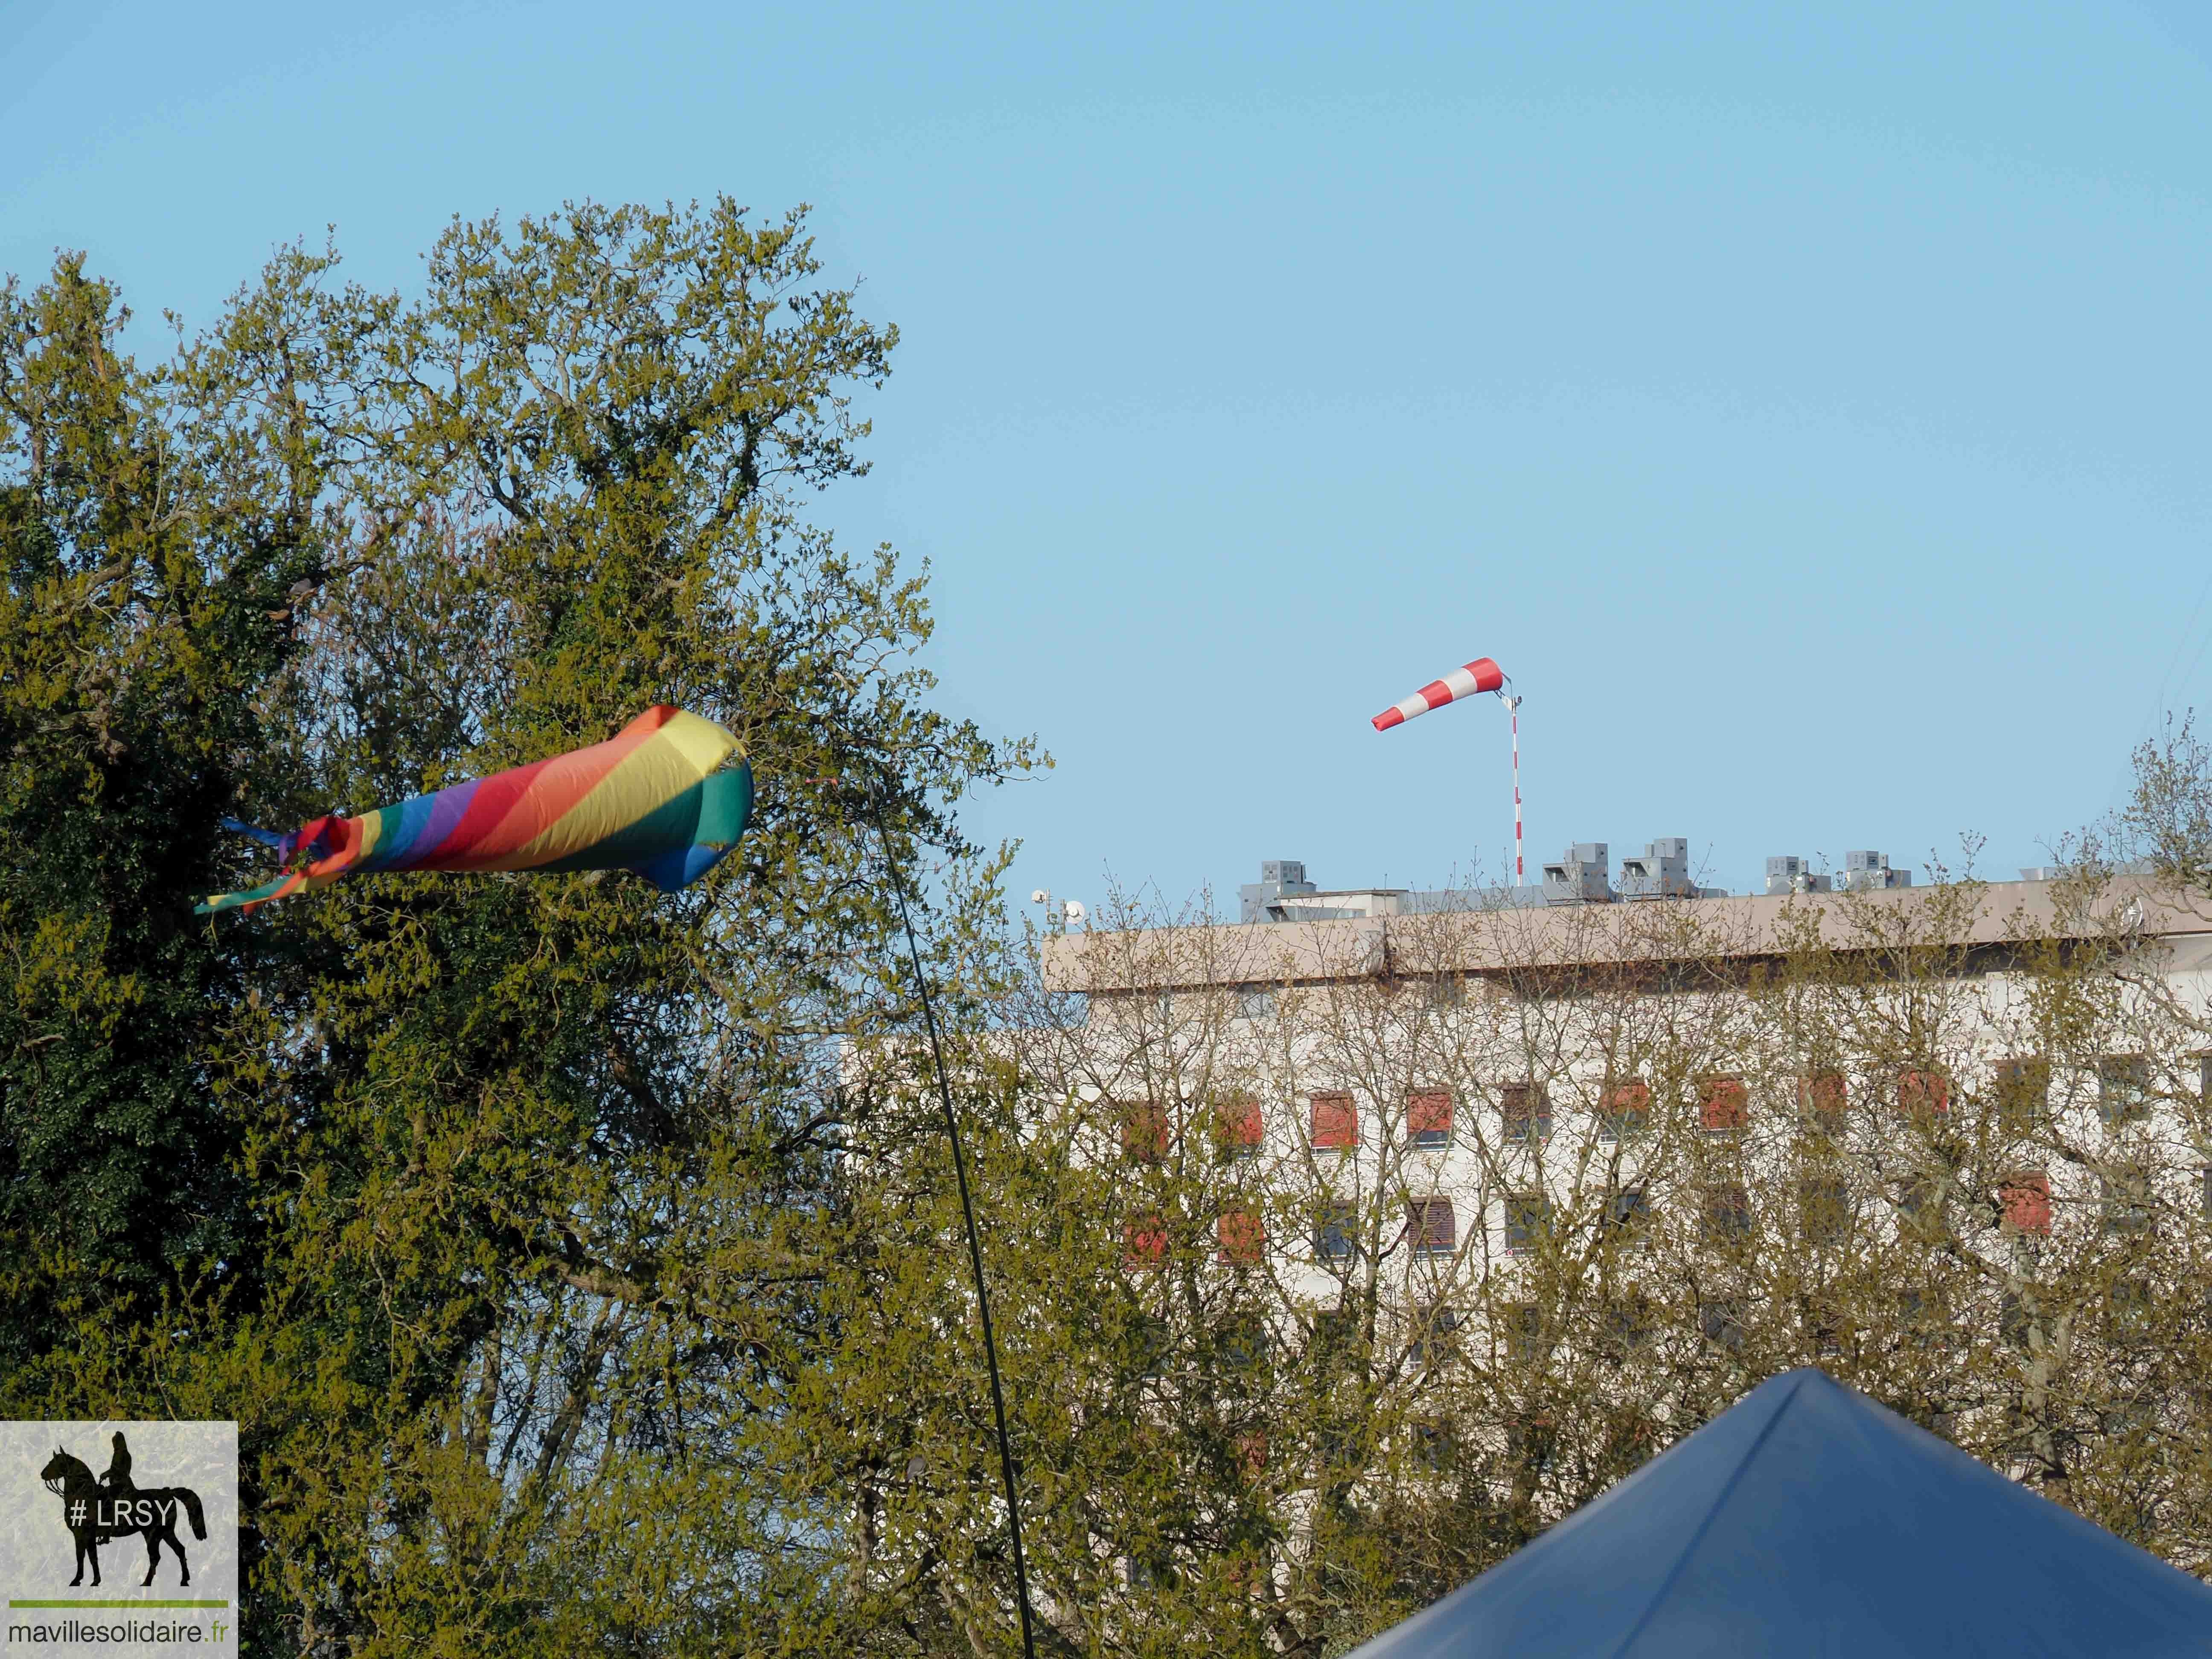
1808 408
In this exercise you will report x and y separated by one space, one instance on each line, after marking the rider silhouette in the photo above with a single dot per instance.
118 1478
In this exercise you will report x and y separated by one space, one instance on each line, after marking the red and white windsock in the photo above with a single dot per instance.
1480 675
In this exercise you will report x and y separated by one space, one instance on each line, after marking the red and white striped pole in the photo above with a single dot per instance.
1513 704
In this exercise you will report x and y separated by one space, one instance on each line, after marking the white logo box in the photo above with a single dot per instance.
69 1507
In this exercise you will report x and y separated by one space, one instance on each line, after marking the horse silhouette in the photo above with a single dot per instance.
94 1514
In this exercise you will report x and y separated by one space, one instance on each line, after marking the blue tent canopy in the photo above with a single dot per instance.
1807 1521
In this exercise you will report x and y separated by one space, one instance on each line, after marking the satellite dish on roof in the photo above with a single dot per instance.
1073 913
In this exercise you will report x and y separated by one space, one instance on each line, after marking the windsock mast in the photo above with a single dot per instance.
1469 680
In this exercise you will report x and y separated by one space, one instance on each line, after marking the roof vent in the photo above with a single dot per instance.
1278 878
1581 876
1662 870
1788 874
1865 872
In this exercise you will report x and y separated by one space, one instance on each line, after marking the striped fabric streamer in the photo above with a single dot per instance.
1480 675
649 799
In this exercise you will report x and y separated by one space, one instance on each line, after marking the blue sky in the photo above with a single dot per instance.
1808 410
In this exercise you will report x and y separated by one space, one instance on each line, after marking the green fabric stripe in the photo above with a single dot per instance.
232 901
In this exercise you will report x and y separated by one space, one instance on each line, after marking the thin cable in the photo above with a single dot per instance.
974 1239
2187 629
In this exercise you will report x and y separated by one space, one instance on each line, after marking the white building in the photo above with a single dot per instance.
1436 1076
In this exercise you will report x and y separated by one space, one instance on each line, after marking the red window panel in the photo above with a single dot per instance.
1145 1242
1429 1116
1145 1131
2026 1195
1627 1109
1335 1122
1824 1097
1239 1127
1432 1226
1921 1093
1723 1104
1242 1237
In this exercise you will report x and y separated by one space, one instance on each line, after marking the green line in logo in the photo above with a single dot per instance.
14 1603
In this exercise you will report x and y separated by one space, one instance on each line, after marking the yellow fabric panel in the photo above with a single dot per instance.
673 758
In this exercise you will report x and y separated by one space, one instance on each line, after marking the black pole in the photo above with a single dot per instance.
975 1240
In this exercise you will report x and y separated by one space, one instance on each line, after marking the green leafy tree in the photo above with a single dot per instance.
157 527
532 1174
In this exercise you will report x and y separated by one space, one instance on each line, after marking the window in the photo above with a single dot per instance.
2129 1304
2125 1089
1334 1237
1528 1108
1824 1210
1151 1342
1723 1105
1914 1318
1141 1575
1433 1328
1252 1450
1434 1445
1255 1002
2023 1085
2128 1418
1145 1132
1824 1324
2205 1201
2013 1320
1728 1213
1239 1129
1446 991
1336 1336
1335 1122
1241 1342
1721 1321
2025 1195
1923 1093
2127 1192
1240 1236
1625 1110
1823 1098
1524 1332
1530 1442
1428 1117
1920 1204
1145 1242
1626 1325
1525 1216
1627 1210
1432 1226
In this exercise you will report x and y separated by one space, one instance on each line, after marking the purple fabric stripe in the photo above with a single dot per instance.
446 808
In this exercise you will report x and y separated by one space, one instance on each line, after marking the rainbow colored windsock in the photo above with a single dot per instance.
1480 675
649 799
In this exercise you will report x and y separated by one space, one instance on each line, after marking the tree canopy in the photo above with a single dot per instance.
492 1208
